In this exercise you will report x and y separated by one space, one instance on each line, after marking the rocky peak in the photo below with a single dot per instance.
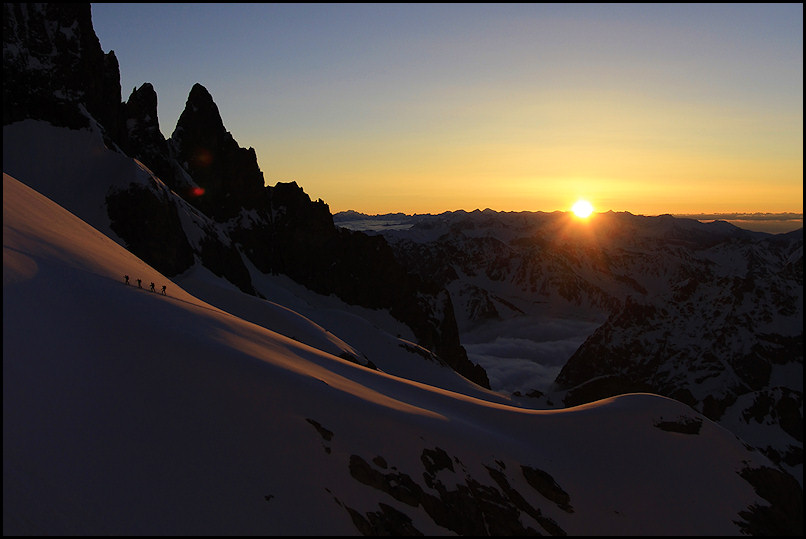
228 175
201 111
53 63
292 207
141 115
141 137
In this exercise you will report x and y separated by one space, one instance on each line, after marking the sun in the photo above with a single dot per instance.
582 209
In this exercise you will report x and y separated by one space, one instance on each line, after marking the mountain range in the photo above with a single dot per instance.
299 377
706 313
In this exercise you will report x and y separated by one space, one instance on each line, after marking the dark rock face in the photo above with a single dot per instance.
784 515
327 435
682 425
151 229
224 260
545 484
52 63
387 522
227 173
141 136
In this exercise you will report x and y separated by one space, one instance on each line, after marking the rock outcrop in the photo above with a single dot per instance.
227 176
53 66
141 137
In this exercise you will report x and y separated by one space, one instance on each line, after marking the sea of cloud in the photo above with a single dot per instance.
526 353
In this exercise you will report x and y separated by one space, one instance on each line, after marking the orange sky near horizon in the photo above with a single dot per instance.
426 108
646 177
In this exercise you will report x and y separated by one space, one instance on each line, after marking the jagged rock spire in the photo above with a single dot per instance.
228 174
142 138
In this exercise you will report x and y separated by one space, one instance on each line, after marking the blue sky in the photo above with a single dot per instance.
659 108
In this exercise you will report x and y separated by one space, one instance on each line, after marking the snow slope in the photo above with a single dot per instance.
129 412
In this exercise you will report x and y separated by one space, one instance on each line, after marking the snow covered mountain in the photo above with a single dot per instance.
126 411
708 314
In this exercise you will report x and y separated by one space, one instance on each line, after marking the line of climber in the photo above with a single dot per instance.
140 285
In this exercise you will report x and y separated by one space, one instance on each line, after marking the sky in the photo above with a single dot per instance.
425 108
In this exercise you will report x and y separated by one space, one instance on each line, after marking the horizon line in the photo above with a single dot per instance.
733 216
